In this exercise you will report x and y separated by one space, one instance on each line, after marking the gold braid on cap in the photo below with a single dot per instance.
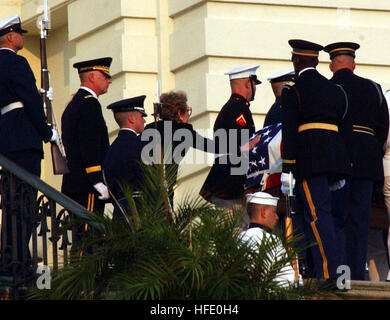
341 49
302 52
98 68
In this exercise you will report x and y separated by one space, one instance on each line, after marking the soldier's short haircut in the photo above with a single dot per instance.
252 207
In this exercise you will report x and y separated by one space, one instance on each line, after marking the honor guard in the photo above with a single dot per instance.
22 121
221 187
369 115
278 80
85 137
314 151
122 164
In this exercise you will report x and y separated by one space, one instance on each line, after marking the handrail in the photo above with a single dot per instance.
50 192
22 215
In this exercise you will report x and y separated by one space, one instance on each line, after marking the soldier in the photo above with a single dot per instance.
369 115
22 122
314 151
85 138
263 220
278 80
122 163
223 187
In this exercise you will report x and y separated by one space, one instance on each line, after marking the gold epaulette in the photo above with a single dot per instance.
89 96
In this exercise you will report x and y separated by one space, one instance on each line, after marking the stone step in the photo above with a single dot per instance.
368 290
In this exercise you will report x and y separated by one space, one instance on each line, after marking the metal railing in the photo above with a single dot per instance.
31 209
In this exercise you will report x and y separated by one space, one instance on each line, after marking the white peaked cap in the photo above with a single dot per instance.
262 198
281 73
242 72
10 21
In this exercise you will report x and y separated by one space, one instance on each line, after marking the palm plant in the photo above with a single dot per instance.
195 253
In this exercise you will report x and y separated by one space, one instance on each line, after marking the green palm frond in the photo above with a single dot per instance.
196 253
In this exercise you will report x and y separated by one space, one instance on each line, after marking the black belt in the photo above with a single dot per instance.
363 129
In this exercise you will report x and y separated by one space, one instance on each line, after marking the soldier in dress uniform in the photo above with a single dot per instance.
85 138
22 122
122 164
278 80
314 151
223 187
369 115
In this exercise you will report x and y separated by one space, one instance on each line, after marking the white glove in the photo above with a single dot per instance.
285 180
50 94
102 189
337 185
55 138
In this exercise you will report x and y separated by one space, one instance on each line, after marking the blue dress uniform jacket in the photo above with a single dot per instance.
369 115
274 114
85 138
313 152
122 163
23 128
220 183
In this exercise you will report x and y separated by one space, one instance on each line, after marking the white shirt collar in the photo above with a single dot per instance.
303 70
90 91
128 129
8 49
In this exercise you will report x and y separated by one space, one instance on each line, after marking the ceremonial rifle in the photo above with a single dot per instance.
57 154
289 229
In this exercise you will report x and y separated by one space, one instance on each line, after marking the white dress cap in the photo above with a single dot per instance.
242 72
10 21
262 198
11 24
281 73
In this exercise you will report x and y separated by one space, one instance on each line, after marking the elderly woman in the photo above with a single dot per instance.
175 114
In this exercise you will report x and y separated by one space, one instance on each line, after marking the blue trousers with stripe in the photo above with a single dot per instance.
320 226
357 224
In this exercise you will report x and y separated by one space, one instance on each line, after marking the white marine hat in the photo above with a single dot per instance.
282 75
11 24
262 198
243 72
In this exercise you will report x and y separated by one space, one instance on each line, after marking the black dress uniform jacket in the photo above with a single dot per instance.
235 114
23 128
369 115
274 114
122 163
197 142
85 138
308 153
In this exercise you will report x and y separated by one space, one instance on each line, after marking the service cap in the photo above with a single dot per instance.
304 48
131 104
101 64
339 48
11 24
244 72
282 76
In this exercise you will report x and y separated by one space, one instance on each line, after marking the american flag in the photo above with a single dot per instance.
265 158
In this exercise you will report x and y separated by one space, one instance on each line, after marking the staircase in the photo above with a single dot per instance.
368 290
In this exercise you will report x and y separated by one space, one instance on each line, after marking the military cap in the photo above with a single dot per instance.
11 24
339 48
262 198
304 48
244 72
281 76
102 64
132 104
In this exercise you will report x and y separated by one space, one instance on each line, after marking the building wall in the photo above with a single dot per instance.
189 44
